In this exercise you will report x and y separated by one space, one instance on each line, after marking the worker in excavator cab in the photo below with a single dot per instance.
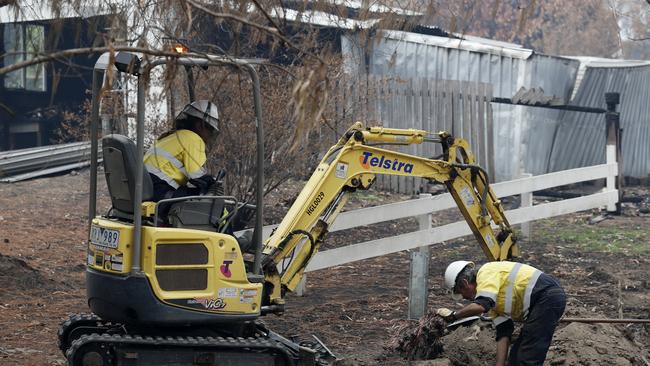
507 292
176 161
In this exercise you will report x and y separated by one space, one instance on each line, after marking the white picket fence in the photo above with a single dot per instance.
422 208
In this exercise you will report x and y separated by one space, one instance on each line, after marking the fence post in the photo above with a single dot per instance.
418 288
302 285
526 201
613 130
611 179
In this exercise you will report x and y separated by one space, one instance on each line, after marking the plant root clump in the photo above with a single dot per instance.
421 342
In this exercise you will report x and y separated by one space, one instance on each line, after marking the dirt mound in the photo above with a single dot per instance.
17 275
597 344
573 344
474 345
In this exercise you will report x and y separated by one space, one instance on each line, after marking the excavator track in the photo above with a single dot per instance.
86 339
115 349
80 324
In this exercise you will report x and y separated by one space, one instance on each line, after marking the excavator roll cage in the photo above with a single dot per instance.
130 63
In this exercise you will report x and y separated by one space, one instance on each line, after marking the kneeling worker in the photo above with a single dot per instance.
176 161
510 291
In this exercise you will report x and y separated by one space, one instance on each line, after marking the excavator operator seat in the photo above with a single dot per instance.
120 166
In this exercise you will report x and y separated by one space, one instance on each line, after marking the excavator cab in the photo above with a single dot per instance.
179 289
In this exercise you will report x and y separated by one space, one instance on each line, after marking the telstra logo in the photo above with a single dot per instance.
368 160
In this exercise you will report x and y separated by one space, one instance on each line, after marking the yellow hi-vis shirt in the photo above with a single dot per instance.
509 285
177 158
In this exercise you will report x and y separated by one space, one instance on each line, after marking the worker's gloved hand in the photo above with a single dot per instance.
202 183
446 314
217 188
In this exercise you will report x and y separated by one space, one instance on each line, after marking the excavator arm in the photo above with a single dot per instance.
351 164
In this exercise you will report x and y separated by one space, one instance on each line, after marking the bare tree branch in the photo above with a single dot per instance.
268 17
269 30
89 50
272 31
7 109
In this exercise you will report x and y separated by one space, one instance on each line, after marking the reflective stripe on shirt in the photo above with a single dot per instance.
158 173
511 284
197 174
529 291
159 151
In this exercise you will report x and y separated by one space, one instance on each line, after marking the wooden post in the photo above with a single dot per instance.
611 179
613 130
418 288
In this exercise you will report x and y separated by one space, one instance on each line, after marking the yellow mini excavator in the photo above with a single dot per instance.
190 294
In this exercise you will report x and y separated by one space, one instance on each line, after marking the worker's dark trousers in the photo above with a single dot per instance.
535 338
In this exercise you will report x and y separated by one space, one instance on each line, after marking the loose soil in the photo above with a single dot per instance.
354 308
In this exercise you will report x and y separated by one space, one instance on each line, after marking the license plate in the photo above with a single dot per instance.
104 237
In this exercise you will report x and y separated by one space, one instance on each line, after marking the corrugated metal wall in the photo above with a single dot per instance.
556 76
580 137
462 108
410 55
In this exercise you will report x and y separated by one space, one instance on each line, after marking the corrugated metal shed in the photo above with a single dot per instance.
555 75
506 66
581 136
587 61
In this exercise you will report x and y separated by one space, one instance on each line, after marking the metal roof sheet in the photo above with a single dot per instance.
473 44
600 62
321 18
375 7
580 139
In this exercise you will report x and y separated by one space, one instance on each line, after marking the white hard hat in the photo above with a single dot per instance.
452 272
202 109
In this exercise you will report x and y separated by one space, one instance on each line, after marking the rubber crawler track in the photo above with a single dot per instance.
112 341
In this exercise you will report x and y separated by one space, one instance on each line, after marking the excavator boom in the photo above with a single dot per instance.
353 164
